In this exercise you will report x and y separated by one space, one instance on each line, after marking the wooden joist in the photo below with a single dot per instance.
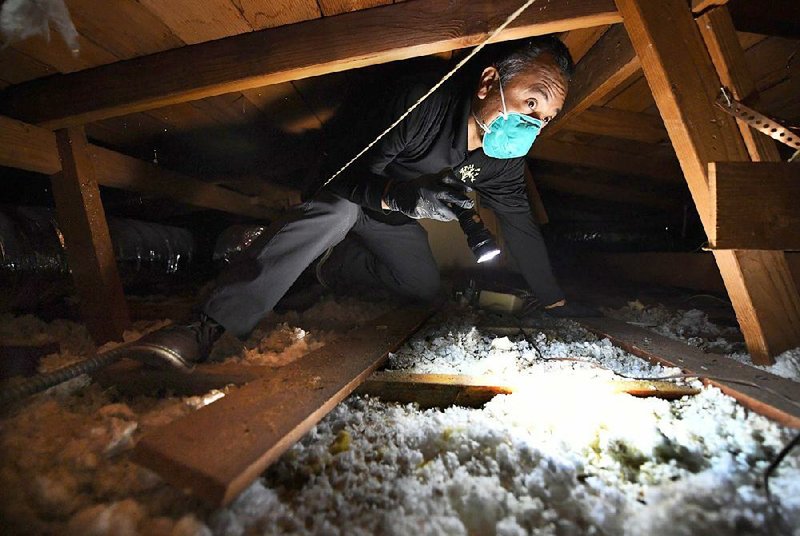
729 60
685 85
663 169
755 205
221 448
32 148
772 396
444 390
87 241
608 64
271 56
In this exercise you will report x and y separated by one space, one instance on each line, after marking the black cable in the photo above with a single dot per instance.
45 381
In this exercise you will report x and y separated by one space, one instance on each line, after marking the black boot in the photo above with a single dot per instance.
177 346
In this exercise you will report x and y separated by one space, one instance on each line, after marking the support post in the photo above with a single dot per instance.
685 85
87 239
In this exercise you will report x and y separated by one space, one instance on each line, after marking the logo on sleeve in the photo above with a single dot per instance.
469 173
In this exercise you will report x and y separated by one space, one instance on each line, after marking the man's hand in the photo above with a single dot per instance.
428 196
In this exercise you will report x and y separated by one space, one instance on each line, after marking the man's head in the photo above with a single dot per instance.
534 74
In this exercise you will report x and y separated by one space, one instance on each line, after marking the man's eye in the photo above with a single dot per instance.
532 104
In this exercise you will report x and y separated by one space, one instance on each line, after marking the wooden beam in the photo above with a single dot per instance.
755 205
661 169
729 60
445 390
311 48
621 124
698 6
220 449
87 240
771 396
33 148
608 64
685 85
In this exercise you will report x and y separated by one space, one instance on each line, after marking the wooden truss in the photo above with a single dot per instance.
685 62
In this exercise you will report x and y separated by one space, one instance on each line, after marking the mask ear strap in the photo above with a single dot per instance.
502 97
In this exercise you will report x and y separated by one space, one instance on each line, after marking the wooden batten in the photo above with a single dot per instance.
608 64
755 205
87 240
685 85
312 48
221 448
764 393
24 146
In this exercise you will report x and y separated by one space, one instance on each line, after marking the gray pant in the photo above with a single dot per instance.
375 255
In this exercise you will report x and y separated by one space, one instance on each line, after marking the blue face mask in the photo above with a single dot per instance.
510 135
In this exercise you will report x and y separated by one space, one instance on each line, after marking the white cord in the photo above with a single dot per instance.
444 79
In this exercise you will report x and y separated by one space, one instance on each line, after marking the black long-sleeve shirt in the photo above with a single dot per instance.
431 139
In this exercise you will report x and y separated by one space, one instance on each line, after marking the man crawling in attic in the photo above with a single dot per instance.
361 230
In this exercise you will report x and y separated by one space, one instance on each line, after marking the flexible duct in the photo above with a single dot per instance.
33 258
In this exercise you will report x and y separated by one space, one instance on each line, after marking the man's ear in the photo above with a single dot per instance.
487 80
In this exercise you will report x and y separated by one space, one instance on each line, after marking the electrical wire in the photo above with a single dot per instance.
511 18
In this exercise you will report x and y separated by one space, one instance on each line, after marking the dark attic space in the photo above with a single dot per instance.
435 267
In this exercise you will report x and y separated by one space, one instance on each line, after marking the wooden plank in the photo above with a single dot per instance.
608 64
661 169
265 417
275 13
310 48
196 21
756 205
32 148
620 124
698 6
445 390
729 60
685 85
28 147
87 240
125 28
769 399
336 7
581 40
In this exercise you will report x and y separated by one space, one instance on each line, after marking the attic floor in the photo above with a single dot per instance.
561 456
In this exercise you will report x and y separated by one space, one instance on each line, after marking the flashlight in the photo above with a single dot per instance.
479 239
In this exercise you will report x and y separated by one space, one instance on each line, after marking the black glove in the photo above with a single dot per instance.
428 196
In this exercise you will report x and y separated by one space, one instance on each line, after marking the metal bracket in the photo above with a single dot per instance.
757 120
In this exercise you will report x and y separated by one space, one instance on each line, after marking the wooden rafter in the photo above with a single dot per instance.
87 241
32 148
310 48
608 64
685 85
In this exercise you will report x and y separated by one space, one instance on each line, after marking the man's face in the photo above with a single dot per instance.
539 91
